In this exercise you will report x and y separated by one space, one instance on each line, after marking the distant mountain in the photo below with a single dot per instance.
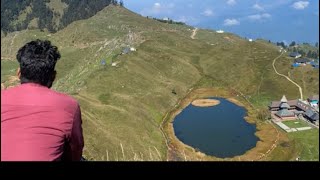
52 15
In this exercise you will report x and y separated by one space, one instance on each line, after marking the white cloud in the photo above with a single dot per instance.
258 7
259 17
266 15
157 5
158 8
300 5
231 22
208 12
231 2
255 17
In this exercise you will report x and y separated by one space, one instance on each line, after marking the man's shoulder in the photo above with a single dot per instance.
39 94
11 90
64 98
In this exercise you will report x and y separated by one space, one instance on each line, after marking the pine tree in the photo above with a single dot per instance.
292 44
309 54
114 2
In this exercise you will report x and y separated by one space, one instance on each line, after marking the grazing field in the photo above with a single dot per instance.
307 144
9 70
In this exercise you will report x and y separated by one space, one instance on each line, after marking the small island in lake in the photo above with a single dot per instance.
205 102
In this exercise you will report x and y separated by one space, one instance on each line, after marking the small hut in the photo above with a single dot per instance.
103 62
126 50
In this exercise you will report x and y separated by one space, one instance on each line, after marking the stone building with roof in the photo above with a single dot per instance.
290 110
285 112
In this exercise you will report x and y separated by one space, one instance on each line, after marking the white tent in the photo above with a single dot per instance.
220 31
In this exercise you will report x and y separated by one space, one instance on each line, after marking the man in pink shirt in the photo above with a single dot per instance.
37 123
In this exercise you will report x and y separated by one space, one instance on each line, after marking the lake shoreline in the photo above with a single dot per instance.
198 126
184 152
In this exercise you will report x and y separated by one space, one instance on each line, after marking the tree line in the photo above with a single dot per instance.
169 21
307 50
77 10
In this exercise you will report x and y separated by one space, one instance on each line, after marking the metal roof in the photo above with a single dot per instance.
284 106
285 113
301 60
312 115
314 98
276 104
294 54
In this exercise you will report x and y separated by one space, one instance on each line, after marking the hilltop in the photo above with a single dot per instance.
123 107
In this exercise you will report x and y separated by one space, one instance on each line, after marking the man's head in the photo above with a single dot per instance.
37 62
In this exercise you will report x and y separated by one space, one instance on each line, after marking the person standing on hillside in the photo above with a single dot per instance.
37 123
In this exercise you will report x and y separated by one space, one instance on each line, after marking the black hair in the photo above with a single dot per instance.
37 61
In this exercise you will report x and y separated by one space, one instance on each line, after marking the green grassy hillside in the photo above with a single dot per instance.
123 107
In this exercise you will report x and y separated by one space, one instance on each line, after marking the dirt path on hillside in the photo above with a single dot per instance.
194 33
274 67
274 145
6 58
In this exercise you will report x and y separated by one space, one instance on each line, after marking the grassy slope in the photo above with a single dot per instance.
9 70
306 76
247 67
123 107
307 143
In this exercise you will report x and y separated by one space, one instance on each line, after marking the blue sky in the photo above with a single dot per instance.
275 20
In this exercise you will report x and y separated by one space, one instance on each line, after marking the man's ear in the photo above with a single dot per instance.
18 73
